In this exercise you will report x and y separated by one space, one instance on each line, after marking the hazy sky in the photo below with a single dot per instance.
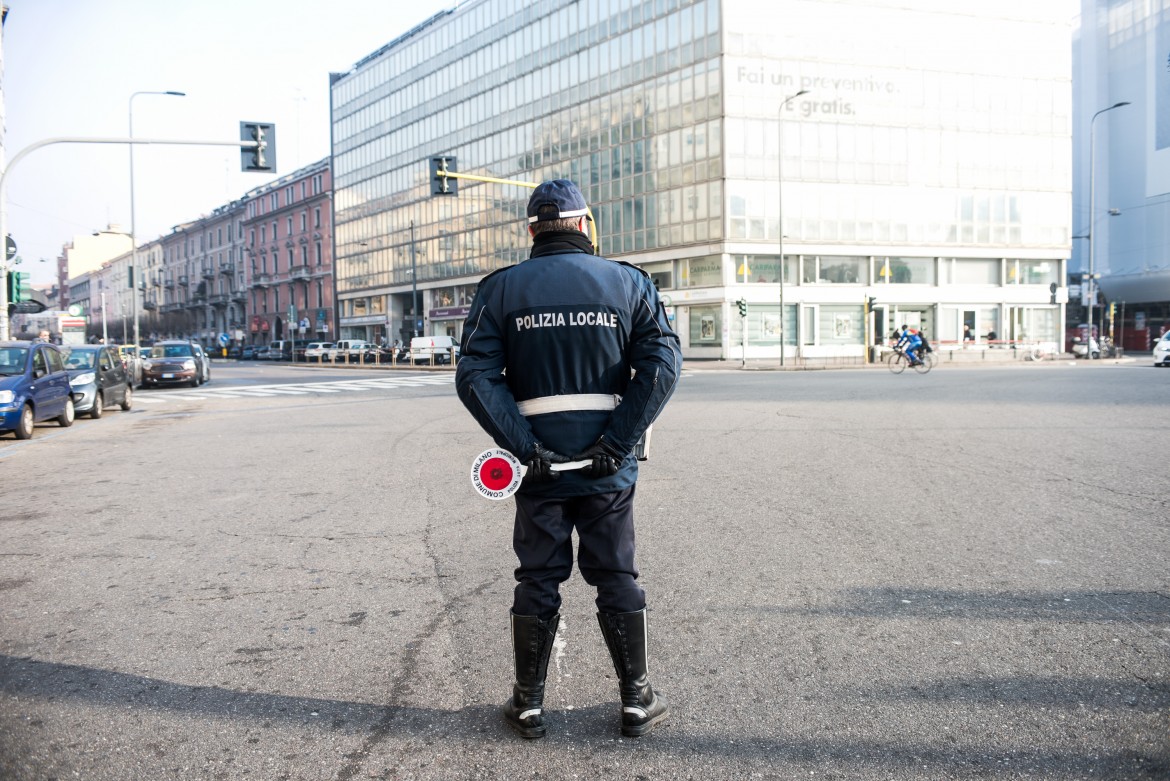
70 67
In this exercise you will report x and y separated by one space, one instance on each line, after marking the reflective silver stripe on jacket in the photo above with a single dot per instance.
568 403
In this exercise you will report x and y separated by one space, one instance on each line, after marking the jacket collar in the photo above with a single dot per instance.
560 242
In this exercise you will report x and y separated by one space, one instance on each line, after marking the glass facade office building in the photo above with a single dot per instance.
1122 55
881 148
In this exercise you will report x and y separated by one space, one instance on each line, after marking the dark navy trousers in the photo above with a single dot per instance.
543 543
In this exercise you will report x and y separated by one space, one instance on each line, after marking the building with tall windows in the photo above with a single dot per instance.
287 243
810 158
1122 56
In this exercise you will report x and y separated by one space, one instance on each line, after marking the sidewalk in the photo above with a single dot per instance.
964 358
945 358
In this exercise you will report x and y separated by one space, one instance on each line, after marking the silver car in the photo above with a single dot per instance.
98 379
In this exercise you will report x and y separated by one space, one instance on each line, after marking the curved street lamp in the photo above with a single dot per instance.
1090 292
780 206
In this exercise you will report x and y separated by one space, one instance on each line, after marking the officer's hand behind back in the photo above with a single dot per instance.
604 458
539 465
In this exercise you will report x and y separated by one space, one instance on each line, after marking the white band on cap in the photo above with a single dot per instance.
562 215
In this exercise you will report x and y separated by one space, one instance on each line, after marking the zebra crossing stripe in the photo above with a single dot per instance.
303 389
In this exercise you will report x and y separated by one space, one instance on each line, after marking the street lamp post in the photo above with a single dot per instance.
414 324
780 206
1090 291
133 240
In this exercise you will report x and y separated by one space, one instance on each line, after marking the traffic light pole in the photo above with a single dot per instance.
79 140
531 186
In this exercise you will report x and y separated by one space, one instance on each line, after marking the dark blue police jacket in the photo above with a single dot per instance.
560 334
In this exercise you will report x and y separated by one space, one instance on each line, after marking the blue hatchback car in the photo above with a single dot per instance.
34 386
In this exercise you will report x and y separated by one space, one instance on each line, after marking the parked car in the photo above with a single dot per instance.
34 386
234 352
1162 351
433 349
132 360
176 362
375 354
282 349
97 379
348 350
318 351
248 353
298 349
206 363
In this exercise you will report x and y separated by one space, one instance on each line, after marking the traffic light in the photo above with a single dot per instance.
263 156
1052 291
869 302
19 287
441 184
742 304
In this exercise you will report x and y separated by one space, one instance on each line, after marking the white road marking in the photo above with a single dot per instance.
301 388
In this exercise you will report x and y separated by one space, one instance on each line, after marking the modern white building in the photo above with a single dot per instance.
1122 55
883 149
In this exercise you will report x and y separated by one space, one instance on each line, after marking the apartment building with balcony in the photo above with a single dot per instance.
199 290
174 319
150 285
288 252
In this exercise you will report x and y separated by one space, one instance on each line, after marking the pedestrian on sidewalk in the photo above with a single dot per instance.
570 357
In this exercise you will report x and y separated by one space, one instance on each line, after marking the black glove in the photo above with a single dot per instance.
540 463
605 457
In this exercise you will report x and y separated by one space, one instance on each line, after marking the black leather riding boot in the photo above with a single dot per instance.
532 641
625 635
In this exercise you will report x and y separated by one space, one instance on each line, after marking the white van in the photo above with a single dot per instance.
279 350
433 349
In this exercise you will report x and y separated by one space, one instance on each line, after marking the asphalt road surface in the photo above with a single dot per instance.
285 574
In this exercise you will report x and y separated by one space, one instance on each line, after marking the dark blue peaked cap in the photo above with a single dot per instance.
560 193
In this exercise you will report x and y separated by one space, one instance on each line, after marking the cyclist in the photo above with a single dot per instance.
926 348
912 342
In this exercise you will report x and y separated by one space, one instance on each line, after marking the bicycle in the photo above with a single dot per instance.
897 362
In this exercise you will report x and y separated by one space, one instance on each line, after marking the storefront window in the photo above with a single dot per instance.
706 326
662 274
970 271
1032 272
751 269
841 324
835 269
763 325
703 272
906 271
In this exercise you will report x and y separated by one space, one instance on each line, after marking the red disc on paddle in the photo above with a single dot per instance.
496 473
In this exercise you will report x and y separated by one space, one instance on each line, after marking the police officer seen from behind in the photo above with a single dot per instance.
547 356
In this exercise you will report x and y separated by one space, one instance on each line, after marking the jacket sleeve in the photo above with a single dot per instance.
480 381
655 357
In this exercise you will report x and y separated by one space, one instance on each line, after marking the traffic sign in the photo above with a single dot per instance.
224 340
496 474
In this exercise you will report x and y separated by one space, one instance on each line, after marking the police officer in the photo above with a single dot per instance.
570 357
